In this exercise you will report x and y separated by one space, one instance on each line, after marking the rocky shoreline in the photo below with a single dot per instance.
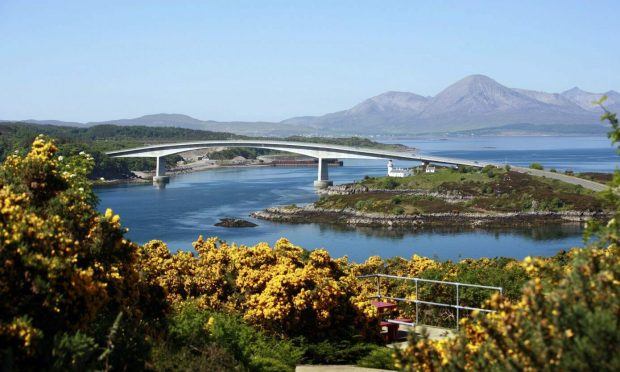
352 217
354 188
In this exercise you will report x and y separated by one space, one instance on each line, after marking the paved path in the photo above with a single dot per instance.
591 185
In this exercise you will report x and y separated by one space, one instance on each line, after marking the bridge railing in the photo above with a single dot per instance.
455 305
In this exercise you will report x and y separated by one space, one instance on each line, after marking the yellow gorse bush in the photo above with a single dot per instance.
282 289
571 323
62 263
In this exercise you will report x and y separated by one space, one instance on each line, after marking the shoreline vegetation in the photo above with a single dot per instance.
75 294
487 198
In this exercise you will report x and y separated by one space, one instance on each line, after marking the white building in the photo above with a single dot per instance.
430 169
397 172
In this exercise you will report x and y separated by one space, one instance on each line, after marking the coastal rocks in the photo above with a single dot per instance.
354 188
235 222
346 189
311 214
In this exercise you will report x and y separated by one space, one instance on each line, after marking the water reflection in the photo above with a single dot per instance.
538 233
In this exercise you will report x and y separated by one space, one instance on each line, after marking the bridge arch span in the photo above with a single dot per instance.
323 152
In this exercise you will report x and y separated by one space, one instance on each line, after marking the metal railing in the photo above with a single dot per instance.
417 301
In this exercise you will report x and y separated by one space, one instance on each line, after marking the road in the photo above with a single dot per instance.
591 185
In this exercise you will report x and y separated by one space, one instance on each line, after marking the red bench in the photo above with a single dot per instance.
392 331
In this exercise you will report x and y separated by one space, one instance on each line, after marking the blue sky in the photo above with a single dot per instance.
271 60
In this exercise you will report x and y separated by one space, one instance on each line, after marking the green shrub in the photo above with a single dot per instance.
488 168
486 189
342 352
225 337
74 352
537 166
389 183
380 358
361 205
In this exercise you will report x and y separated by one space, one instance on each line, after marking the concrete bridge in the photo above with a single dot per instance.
323 152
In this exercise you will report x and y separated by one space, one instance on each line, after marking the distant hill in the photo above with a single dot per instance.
188 122
475 103
184 121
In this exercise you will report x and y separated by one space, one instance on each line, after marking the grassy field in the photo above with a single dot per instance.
450 190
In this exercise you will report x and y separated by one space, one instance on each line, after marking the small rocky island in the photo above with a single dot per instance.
464 198
235 222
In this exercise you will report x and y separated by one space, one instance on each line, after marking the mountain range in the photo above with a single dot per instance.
476 104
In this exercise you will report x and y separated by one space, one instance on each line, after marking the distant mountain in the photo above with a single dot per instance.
475 103
585 99
388 109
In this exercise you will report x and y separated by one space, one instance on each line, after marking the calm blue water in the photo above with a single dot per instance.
578 154
192 203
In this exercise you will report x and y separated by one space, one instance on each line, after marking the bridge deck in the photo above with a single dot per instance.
316 150
328 151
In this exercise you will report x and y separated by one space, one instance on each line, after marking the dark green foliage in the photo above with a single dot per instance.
206 338
466 169
488 168
389 183
380 358
609 233
208 358
74 352
246 152
342 352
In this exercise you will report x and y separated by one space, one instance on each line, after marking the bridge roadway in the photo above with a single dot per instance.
323 152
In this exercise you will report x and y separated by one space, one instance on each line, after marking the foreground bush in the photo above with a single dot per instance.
570 324
67 272
285 289
206 340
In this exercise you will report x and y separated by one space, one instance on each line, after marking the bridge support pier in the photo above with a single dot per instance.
323 177
160 179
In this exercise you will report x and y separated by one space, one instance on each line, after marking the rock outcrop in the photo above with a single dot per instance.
311 214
